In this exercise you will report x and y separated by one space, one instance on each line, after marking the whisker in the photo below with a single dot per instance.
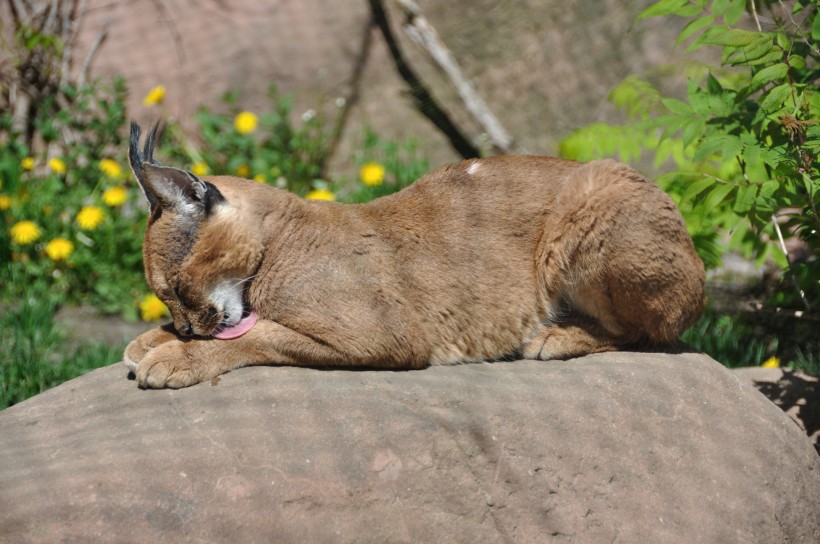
240 282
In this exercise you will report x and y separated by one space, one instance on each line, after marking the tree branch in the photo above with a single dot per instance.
422 97
423 33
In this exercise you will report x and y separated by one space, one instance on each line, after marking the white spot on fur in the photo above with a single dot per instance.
227 298
473 168
227 213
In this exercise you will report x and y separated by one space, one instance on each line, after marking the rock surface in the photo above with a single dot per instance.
626 447
794 392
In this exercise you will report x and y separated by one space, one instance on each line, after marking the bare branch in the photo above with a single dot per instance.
423 99
89 58
353 93
423 33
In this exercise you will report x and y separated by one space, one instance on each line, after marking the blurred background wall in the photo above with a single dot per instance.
543 66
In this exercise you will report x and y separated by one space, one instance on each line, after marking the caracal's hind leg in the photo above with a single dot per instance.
142 344
571 337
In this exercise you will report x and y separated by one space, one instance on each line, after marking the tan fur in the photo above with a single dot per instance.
502 257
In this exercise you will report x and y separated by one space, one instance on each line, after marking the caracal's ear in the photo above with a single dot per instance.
165 187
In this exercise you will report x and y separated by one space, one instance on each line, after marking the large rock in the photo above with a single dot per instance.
626 447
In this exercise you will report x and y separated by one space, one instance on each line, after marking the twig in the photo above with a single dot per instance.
176 36
91 54
800 314
788 12
352 95
754 14
789 263
423 99
422 32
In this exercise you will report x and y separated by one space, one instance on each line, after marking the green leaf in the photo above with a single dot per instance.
664 7
677 106
736 10
769 74
717 195
745 198
710 145
759 47
699 101
783 41
731 37
719 7
683 8
815 27
697 187
773 100
751 154
797 62
768 58
772 156
693 27
692 131
731 147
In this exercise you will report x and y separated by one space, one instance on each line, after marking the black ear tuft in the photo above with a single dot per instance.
153 137
134 155
139 158
167 187
136 158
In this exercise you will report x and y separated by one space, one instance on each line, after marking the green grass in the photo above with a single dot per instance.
749 339
35 356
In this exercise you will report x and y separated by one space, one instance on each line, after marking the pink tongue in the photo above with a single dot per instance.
245 324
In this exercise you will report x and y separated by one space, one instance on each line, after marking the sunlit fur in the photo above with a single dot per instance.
495 258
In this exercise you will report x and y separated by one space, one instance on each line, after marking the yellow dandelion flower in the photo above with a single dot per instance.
154 96
90 217
260 178
111 168
199 169
372 174
56 165
25 232
5 202
243 170
27 163
320 194
59 249
245 122
152 308
771 362
115 196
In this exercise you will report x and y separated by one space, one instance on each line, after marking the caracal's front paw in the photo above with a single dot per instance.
181 363
171 364
142 344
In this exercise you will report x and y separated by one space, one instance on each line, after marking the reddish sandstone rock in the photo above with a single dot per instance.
628 447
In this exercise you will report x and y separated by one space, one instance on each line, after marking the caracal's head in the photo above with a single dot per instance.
198 257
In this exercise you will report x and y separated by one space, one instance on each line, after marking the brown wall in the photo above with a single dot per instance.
544 66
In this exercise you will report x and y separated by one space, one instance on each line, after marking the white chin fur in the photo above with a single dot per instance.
227 298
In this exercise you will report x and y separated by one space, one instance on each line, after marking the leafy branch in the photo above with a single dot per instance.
742 146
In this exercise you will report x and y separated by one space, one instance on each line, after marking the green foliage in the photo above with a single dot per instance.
34 355
749 339
274 150
103 265
740 151
402 164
